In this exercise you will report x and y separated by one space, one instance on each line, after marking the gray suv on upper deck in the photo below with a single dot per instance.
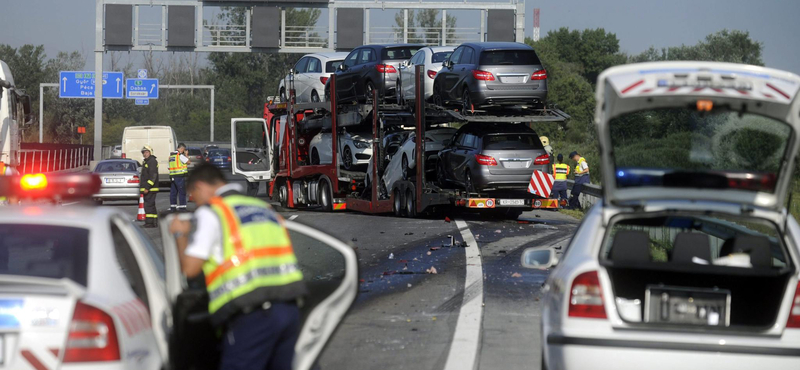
366 66
490 74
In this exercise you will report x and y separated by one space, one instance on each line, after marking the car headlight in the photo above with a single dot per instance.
361 144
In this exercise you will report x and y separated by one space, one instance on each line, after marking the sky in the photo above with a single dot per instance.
68 25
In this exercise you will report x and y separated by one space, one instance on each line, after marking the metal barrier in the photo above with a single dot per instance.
430 36
306 37
590 194
51 160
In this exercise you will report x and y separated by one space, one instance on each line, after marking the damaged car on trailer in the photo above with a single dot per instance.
692 258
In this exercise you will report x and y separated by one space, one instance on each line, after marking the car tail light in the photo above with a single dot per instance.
134 180
482 75
431 74
542 159
485 160
539 75
324 80
92 336
385 68
124 155
586 297
229 159
794 314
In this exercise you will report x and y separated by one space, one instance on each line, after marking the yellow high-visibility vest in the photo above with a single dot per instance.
560 171
176 167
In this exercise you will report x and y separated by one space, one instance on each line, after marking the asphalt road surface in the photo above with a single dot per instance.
480 310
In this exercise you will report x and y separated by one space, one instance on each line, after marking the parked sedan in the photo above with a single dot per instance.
221 158
311 73
404 162
492 156
488 74
391 145
354 149
119 179
431 58
369 67
691 260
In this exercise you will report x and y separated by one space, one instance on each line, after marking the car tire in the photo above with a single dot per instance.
314 157
325 197
466 103
314 96
368 87
437 96
469 186
398 92
411 206
327 93
347 158
441 177
283 94
404 167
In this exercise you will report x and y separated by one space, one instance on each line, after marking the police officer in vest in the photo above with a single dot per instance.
560 172
148 185
581 178
178 169
242 247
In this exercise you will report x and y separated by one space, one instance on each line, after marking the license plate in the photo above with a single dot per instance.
687 306
512 80
515 164
114 181
218 160
511 202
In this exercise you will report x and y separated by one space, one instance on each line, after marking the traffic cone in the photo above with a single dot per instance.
140 215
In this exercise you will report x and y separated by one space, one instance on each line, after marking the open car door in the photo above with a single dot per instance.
330 272
251 148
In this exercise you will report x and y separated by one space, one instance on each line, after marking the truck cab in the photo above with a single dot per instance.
15 108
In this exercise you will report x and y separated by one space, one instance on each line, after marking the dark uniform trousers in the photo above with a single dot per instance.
574 200
151 213
263 339
559 190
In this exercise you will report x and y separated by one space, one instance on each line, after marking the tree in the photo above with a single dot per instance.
425 27
723 46
590 51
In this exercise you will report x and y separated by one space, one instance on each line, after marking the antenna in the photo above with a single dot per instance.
536 24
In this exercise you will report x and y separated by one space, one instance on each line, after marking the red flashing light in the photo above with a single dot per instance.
586 297
385 68
52 186
92 336
431 74
34 181
539 75
542 159
482 75
124 155
485 160
324 80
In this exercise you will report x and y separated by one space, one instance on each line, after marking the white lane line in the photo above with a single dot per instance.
467 336
69 204
292 217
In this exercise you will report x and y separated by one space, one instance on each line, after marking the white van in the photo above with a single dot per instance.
160 138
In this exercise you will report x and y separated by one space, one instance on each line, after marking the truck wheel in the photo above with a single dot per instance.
283 195
397 204
325 197
411 207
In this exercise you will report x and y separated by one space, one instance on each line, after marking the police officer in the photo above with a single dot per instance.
251 271
581 178
148 185
560 172
178 169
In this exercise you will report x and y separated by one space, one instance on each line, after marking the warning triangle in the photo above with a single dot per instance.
472 203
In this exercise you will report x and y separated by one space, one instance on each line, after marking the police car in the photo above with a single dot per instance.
83 286
691 260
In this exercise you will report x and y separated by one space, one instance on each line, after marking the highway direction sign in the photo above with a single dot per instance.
76 84
141 88
142 101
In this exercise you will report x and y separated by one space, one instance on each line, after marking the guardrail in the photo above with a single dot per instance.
590 194
35 158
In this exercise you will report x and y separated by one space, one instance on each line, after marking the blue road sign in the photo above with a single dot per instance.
142 73
141 88
142 101
81 84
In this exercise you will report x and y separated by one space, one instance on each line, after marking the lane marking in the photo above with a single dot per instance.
292 217
69 204
466 339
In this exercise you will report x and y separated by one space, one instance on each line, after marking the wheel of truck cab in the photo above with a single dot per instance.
325 196
347 158
466 102
314 157
283 195
397 204
405 167
411 207
314 96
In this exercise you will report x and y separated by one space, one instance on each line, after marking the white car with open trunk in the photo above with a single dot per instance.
691 260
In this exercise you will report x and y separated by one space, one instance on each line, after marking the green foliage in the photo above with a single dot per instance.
724 46
425 27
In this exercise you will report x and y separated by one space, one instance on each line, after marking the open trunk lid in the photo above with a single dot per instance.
724 132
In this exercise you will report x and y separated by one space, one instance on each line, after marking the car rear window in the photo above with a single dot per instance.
509 57
440 57
330 67
512 142
220 152
116 167
402 53
44 251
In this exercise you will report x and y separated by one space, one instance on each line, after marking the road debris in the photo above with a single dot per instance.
435 248
432 270
391 256
429 253
516 275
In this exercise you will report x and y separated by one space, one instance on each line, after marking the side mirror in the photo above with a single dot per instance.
538 258
342 67
25 101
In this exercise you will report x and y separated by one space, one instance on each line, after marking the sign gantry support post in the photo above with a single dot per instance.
98 83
